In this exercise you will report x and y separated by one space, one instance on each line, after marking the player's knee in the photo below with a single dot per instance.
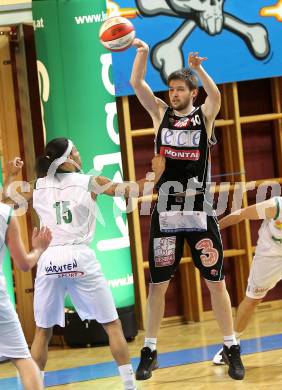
114 329
116 324
216 287
253 302
158 289
44 333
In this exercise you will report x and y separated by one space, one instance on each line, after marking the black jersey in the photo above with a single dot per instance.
183 141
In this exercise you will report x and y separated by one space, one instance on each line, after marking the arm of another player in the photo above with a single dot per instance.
149 101
10 187
262 210
40 242
103 185
213 101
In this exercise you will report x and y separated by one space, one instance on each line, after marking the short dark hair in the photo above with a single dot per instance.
186 75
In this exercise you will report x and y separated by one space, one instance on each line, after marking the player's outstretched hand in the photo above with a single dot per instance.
140 45
195 61
14 166
41 238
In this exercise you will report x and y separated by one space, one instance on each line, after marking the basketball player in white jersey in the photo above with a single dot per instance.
266 268
65 199
12 342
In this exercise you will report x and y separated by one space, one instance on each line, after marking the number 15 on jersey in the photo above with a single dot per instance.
63 213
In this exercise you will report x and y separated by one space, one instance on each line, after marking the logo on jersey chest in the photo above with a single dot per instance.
192 155
180 123
180 138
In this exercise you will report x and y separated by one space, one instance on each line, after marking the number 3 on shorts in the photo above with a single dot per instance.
209 254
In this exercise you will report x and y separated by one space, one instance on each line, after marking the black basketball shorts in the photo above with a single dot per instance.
168 232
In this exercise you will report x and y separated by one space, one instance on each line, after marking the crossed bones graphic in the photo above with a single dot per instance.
167 55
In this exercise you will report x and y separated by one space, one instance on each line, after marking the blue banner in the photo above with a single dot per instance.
242 39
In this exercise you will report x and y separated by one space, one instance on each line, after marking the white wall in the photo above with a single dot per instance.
15 12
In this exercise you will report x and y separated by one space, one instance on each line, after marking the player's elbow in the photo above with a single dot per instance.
22 262
217 96
24 266
136 83
133 82
217 101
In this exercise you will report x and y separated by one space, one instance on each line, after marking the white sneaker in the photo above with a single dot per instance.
217 359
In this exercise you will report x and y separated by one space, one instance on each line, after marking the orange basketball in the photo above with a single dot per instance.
117 33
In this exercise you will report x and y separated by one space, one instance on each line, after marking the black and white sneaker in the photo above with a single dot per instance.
218 359
148 363
232 357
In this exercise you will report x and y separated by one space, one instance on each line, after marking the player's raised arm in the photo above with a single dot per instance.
149 101
212 103
262 210
16 194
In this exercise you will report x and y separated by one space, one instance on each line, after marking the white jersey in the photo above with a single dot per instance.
64 204
270 234
5 214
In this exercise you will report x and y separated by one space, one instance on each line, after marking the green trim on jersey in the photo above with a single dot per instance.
276 239
9 216
278 208
90 184
61 189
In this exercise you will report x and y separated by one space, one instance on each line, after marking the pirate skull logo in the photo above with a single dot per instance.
210 16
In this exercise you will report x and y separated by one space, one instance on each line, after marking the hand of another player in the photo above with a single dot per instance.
41 238
158 165
195 61
140 45
14 166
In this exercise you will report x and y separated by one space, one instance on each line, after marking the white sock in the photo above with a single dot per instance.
127 376
230 340
151 342
238 336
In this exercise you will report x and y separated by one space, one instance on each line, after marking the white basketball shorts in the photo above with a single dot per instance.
12 341
73 270
265 273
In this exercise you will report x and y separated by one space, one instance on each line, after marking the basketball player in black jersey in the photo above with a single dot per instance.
183 135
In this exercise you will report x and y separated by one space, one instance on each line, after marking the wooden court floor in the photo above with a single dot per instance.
263 369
